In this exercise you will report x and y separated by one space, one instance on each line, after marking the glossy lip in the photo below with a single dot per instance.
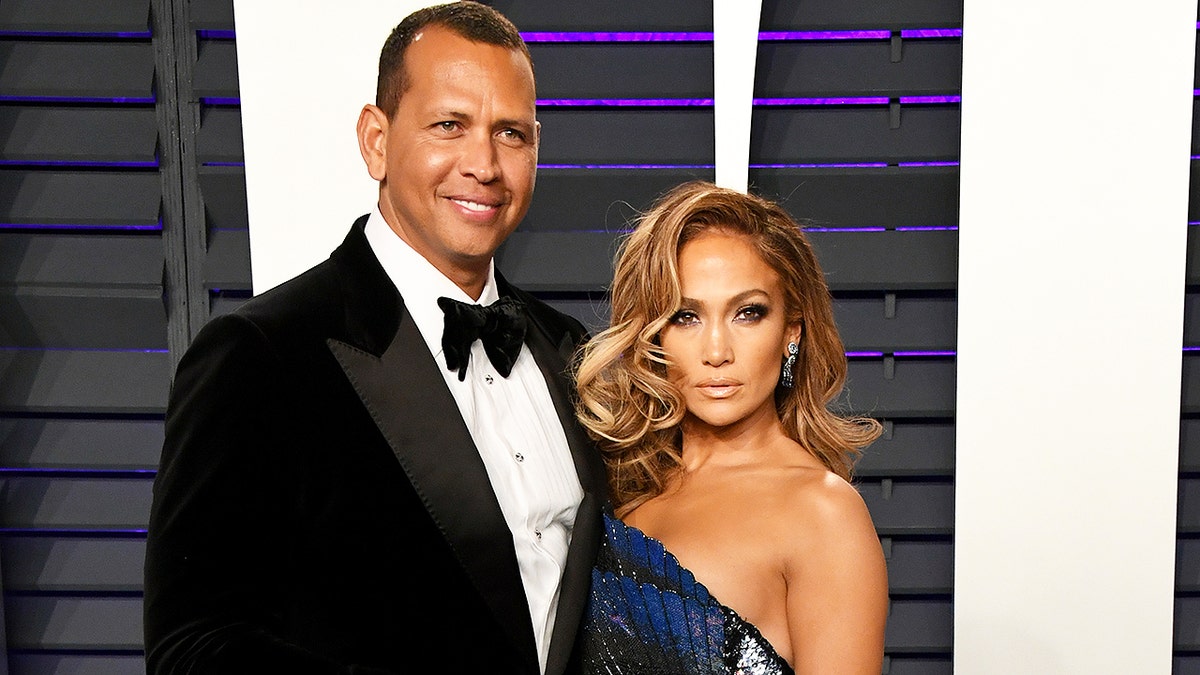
719 387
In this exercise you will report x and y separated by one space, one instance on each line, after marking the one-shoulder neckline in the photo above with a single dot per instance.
751 629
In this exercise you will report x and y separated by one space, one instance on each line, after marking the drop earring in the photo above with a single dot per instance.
787 379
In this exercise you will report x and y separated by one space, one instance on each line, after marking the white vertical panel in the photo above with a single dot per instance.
305 70
735 48
1076 127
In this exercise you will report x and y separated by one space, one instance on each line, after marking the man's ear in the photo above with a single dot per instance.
372 140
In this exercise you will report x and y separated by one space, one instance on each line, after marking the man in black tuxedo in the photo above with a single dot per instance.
351 481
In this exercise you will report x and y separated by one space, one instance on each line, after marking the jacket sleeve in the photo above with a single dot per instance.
218 523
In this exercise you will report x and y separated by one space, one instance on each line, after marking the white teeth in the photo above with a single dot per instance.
472 206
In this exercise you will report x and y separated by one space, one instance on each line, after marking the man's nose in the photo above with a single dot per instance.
479 158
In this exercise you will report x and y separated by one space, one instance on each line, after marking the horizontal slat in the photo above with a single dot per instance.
77 69
83 319
838 15
72 16
1187 565
909 507
607 15
83 381
888 261
1193 242
78 134
918 387
920 626
97 198
220 135
610 199
1189 446
1191 319
59 260
605 200
852 261
853 134
224 191
1187 623
73 623
916 323
910 449
605 71
227 265
857 68
919 567
1190 393
76 664
918 196
216 73
211 14
1188 518
626 136
75 503
40 442
72 564
902 665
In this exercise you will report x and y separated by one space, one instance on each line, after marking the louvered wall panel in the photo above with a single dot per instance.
1187 548
84 367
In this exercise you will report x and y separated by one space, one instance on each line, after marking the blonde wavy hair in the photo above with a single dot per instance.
625 400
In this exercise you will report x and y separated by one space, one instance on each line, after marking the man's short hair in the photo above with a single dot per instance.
469 19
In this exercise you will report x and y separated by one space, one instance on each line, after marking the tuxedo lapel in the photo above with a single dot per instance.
407 398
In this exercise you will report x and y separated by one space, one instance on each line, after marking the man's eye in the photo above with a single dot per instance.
447 126
513 135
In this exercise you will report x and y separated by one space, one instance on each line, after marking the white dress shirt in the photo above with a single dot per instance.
513 423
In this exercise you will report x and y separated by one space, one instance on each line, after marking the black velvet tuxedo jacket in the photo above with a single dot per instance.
321 508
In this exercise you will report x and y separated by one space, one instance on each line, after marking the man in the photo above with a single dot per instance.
351 481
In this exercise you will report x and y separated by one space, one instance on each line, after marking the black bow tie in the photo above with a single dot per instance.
500 325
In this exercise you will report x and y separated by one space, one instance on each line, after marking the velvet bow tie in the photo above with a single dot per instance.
501 326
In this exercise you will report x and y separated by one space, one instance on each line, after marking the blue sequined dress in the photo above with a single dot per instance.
647 615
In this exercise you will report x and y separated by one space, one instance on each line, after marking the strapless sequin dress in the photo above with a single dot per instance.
647 615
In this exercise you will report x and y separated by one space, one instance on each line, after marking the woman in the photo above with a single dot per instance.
708 396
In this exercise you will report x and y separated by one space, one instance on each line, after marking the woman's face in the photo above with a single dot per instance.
729 337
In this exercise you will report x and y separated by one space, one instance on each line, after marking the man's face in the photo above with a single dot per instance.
460 154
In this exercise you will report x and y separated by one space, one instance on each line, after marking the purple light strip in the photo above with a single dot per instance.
626 166
77 34
218 100
241 164
217 34
795 35
618 36
82 349
840 100
70 163
76 226
705 36
107 533
836 165
625 102
76 99
918 33
845 229
901 354
928 228
1191 349
928 100
914 164
38 472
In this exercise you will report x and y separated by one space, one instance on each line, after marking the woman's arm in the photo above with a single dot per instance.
837 596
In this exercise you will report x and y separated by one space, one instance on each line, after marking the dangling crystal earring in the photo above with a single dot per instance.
787 378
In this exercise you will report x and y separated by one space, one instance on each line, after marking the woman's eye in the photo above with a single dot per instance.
684 318
751 313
